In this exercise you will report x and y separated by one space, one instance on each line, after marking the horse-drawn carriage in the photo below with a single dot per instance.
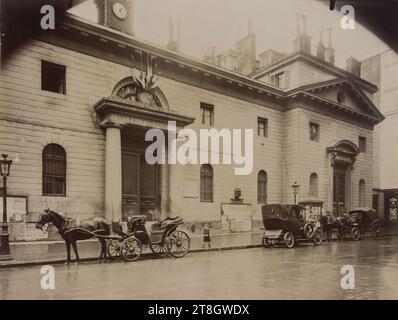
162 238
289 223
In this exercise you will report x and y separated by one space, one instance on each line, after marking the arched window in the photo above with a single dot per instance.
206 183
313 185
54 170
362 193
262 187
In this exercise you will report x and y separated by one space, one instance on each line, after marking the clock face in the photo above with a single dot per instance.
119 10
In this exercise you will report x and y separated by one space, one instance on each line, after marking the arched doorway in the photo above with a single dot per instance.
132 185
141 189
342 158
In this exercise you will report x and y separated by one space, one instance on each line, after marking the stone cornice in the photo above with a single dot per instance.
90 38
113 111
124 40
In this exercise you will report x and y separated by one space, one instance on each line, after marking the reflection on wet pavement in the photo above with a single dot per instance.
305 272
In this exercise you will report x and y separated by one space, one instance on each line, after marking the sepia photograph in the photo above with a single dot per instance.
198 151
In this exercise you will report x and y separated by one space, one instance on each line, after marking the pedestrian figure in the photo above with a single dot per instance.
206 236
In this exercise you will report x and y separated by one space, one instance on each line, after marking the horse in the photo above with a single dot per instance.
72 230
330 223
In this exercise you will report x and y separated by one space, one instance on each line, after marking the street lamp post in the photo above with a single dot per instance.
295 188
5 254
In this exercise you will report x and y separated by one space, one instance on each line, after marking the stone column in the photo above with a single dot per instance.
174 181
113 173
330 183
348 188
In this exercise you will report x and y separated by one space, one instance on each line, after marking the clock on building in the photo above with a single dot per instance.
119 10
117 14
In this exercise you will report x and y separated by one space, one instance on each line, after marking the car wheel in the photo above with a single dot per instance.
355 234
289 239
308 230
377 231
317 237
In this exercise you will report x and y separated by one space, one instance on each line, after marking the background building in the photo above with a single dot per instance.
382 70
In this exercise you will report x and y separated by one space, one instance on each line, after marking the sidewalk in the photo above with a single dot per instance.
53 252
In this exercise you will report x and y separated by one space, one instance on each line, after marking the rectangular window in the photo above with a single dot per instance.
262 127
287 79
362 144
314 132
279 79
207 113
375 201
53 77
206 183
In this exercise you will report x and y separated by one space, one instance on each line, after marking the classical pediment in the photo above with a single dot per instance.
346 93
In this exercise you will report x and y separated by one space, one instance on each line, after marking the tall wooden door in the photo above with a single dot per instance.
140 186
339 190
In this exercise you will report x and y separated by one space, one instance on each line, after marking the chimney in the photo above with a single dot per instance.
329 52
174 36
353 66
298 24
302 43
250 27
304 19
213 55
178 33
320 49
245 51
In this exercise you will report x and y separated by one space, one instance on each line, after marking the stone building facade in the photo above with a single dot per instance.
382 70
315 127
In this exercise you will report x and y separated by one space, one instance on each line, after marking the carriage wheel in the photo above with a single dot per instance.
179 244
131 249
376 231
355 233
317 237
289 239
114 249
160 250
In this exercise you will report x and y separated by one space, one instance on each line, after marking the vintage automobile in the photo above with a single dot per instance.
287 224
362 220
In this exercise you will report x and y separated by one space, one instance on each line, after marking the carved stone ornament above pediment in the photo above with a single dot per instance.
141 86
127 89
